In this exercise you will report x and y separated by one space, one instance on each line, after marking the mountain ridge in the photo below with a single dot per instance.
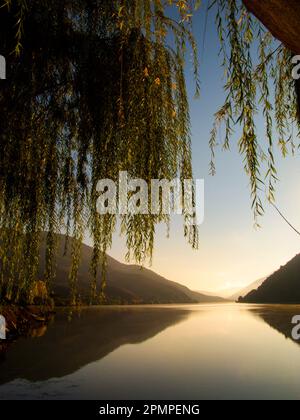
126 284
247 289
282 287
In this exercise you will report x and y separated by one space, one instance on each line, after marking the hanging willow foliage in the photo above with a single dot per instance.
258 74
94 88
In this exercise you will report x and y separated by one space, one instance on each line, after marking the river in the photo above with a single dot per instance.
222 351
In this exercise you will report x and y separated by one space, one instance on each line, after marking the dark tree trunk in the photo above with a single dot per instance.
281 17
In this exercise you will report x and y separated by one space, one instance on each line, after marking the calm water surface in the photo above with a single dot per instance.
224 351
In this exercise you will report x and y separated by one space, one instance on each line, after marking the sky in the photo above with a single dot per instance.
232 252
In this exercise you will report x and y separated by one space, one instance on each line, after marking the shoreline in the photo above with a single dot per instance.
23 321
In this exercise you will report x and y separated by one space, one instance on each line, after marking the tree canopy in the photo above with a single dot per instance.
98 86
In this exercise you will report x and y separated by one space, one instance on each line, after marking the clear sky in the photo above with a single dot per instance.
232 253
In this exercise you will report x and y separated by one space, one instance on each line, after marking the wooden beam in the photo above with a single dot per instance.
281 18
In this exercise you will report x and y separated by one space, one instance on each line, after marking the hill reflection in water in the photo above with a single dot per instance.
278 317
70 343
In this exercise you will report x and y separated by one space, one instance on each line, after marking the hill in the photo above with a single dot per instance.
126 284
41 359
281 287
243 292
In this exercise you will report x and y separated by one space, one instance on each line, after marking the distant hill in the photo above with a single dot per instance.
208 293
281 287
126 284
243 292
234 293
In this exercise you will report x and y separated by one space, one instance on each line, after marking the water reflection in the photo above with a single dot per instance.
224 351
70 343
278 317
